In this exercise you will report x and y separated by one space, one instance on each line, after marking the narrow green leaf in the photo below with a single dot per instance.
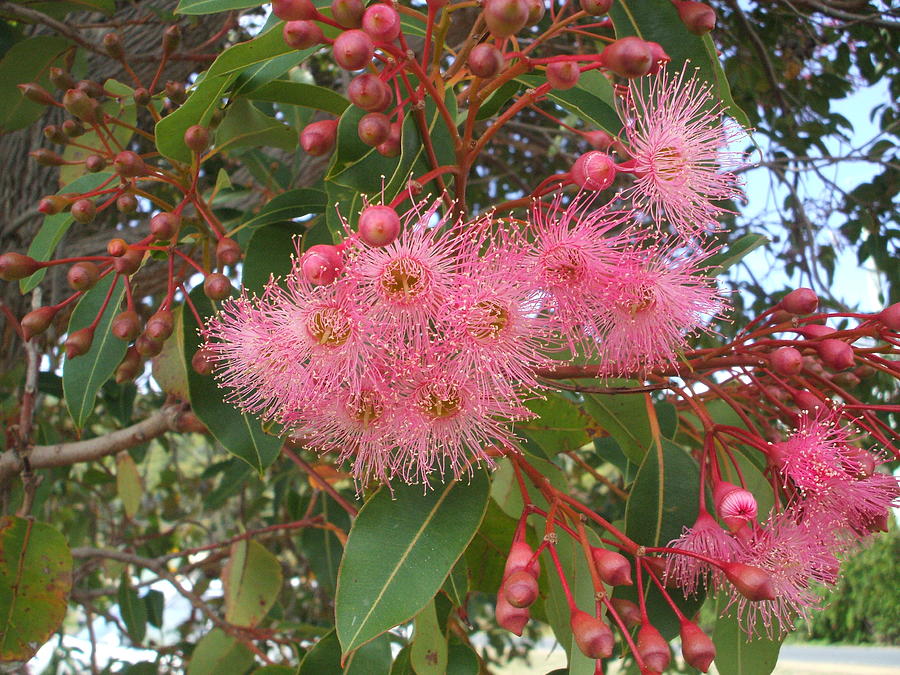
252 579
212 6
498 98
592 99
624 417
35 580
84 375
736 654
400 551
457 585
662 501
373 658
54 227
287 206
245 126
505 489
218 653
486 555
462 660
239 434
154 601
428 654
300 93
736 251
560 426
269 254
133 610
128 483
26 61
322 547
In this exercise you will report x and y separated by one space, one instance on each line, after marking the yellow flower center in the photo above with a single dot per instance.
439 401
487 319
404 278
328 326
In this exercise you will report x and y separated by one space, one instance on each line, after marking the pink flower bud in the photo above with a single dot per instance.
751 582
485 60
563 74
374 128
321 264
696 16
536 11
890 317
653 648
612 567
511 618
15 266
520 588
696 646
594 170
302 34
629 57
520 554
505 17
379 225
593 637
348 13
596 7
800 301
318 138
836 354
353 50
786 361
369 92
294 10
629 612
736 508
382 23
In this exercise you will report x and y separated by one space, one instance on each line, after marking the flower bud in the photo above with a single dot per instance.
79 342
696 16
83 276
612 567
126 203
171 39
37 321
391 147
653 648
381 22
73 128
353 49
142 96
36 93
294 10
196 138
52 204
112 44
786 361
61 79
176 92
594 170
94 163
116 247
629 57
696 646
216 286
629 612
165 225
148 347
563 74
160 325
15 266
129 164
511 618
536 11
520 589
599 139
128 369
348 13
318 138
80 105
228 251
46 157
505 18
736 508
520 555
369 92
593 637
55 134
83 211
379 225
846 380
374 128
751 582
659 57
815 330
596 7
836 354
321 264
485 60
806 400
800 301
302 34
91 88
126 326
890 317
202 362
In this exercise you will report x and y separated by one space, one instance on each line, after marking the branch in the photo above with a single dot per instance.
64 454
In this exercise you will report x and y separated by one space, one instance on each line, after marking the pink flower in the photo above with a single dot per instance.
656 297
679 146
572 258
798 552
707 538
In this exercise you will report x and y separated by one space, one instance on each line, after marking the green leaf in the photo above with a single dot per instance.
400 551
35 580
560 425
662 501
275 670
54 227
505 488
133 610
736 654
373 658
269 253
218 653
154 602
462 660
128 483
486 555
624 417
428 654
26 61
287 206
245 126
212 6
592 99
239 434
252 579
302 94
84 375
498 98
322 547
736 251
207 95
658 21
457 585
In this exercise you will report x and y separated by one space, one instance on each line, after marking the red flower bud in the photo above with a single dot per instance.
61 79
126 203
593 637
37 321
73 128
612 567
79 342
485 60
890 317
696 647
126 326
83 275
391 147
36 93
379 225
836 354
381 22
563 74
505 17
171 38
46 157
751 582
536 11
294 10
629 612
196 137
374 128
116 247
599 139
15 266
128 368
786 361
52 204
653 648
369 92
147 346
83 211
629 57
160 325
302 34
353 49
94 163
806 400
80 105
318 138
520 588
112 44
594 170
228 251
142 96
596 7
129 262
511 618
520 554
800 301
129 164
697 17
216 286
321 264
165 225
348 13
202 362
